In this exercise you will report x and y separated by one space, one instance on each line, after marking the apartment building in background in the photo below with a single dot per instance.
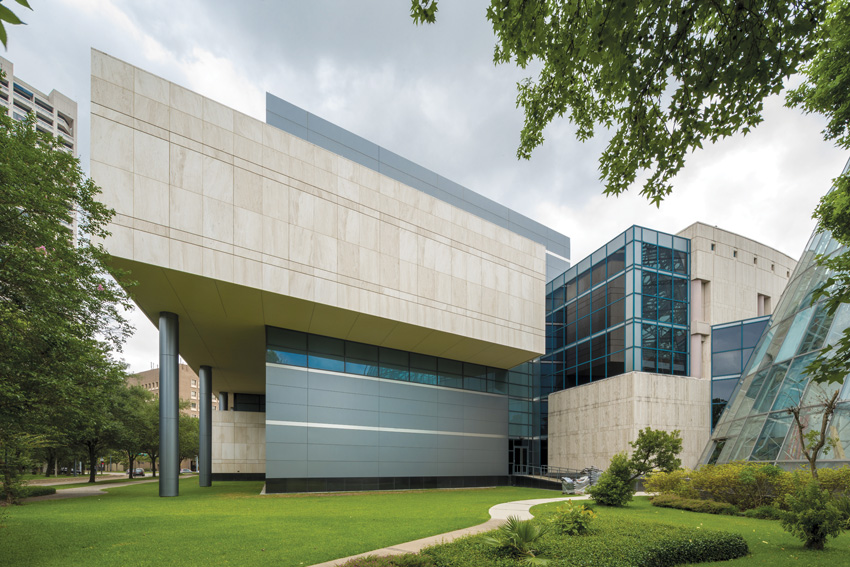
189 390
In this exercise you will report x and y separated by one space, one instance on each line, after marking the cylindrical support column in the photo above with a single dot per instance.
205 428
169 397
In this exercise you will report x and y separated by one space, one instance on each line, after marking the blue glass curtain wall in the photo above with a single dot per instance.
732 345
623 308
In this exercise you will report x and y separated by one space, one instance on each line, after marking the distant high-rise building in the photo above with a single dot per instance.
55 113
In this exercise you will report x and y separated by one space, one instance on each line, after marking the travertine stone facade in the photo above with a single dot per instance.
239 442
275 230
589 424
738 279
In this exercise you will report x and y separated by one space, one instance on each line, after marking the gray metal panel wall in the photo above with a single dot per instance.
368 427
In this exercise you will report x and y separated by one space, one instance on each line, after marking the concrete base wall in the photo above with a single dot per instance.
238 442
591 423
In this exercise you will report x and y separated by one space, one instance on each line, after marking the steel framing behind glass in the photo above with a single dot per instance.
623 308
757 426
731 347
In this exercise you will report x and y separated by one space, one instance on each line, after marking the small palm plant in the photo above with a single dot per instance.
518 538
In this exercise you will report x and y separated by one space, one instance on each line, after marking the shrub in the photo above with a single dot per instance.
812 515
764 513
842 502
695 505
570 519
518 538
614 486
745 485
406 560
29 491
676 482
615 542
837 481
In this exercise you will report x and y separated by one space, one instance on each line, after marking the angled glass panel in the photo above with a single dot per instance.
817 331
727 338
792 388
841 322
839 430
816 394
771 385
772 436
795 334
751 332
747 438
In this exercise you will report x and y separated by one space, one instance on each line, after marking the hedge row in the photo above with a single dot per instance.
613 543
29 491
745 485
694 505
408 560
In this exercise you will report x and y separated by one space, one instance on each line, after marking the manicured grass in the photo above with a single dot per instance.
102 482
769 543
230 524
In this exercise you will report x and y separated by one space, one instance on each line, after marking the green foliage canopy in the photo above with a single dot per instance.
7 16
665 77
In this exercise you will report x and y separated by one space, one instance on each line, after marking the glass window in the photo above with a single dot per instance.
617 289
583 328
680 289
680 363
721 390
727 338
597 369
570 336
648 360
649 255
665 338
680 340
665 259
665 362
583 374
680 262
616 313
795 335
497 380
423 368
325 353
395 364
583 282
598 298
616 363
770 441
751 333
474 377
726 363
818 328
665 310
598 273
770 387
649 283
648 336
617 339
597 348
649 307
665 286
616 262
571 290
450 373
249 402
680 313
286 347
598 321
361 359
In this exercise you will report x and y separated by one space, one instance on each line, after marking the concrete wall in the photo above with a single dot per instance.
726 284
239 442
589 424
332 425
207 196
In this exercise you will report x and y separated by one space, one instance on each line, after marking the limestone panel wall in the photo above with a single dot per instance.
589 424
203 189
733 278
238 442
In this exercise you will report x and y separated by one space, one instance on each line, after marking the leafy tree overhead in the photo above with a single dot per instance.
131 414
665 77
189 436
7 16
60 310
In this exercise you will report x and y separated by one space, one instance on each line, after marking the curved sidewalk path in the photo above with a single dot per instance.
79 492
498 515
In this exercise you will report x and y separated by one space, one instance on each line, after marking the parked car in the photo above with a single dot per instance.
186 471
138 472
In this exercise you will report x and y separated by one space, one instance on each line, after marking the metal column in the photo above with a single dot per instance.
169 382
205 428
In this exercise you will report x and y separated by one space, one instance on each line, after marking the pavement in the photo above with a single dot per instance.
81 491
498 515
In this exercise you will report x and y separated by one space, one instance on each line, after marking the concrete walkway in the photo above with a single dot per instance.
498 515
79 492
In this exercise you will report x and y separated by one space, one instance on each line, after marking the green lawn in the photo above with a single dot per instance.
230 524
769 544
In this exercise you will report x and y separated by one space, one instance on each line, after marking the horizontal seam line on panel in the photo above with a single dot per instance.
379 379
382 429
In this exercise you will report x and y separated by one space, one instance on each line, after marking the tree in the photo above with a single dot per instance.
150 432
9 17
131 414
189 436
614 485
60 308
655 450
665 77
815 440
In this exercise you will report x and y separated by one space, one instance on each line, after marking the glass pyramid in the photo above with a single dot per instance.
755 425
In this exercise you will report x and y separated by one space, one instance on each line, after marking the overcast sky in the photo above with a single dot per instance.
430 94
